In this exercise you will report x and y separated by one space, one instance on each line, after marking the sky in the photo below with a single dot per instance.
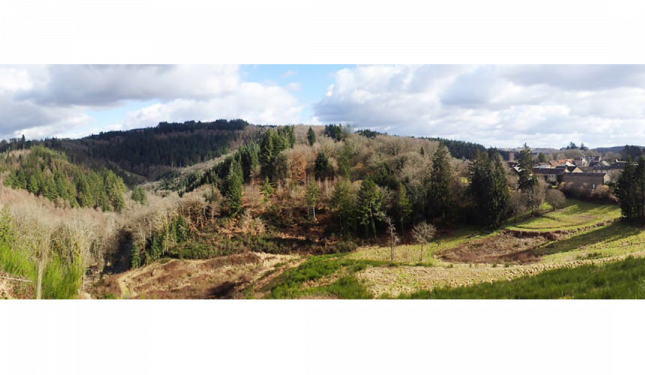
495 105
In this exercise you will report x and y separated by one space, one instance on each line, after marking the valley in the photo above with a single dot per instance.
301 212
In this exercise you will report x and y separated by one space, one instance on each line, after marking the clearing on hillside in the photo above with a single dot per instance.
220 277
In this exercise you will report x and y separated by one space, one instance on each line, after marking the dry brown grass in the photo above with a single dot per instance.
506 247
94 231
222 277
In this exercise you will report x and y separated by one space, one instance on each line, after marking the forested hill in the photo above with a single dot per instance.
461 149
150 152
45 172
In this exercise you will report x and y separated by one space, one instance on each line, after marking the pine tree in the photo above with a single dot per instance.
139 195
344 203
440 199
311 136
234 183
489 189
369 212
525 164
267 189
532 191
626 191
403 207
321 168
115 188
249 157
272 144
639 190
268 152
501 195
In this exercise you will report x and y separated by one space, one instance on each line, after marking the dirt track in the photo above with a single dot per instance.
5 290
222 277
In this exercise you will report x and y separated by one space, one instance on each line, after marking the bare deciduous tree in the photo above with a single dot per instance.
423 233
393 237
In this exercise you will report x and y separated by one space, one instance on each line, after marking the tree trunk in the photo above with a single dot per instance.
39 287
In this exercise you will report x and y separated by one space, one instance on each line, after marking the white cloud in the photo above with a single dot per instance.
289 73
105 85
504 106
498 105
44 101
253 102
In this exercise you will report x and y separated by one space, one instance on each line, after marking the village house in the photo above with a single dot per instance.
550 175
580 161
587 180
554 176
613 170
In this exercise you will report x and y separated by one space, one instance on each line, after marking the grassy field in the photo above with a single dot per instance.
325 276
575 215
410 253
617 280
578 251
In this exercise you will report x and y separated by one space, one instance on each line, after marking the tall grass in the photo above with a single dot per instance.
61 280
292 284
618 280
17 263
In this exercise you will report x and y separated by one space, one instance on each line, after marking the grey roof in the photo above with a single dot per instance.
588 174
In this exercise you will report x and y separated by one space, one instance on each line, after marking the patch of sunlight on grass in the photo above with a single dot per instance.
575 215
411 254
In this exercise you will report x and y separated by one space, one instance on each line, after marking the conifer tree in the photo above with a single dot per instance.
440 199
525 164
267 189
489 189
311 136
321 168
369 211
268 152
403 207
234 183
344 203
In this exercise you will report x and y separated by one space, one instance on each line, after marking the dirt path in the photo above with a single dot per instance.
221 277
5 290
394 281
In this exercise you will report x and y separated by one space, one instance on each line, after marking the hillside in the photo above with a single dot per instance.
295 212
148 153
50 174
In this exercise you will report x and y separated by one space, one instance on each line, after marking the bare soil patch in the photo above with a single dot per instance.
14 289
222 277
504 248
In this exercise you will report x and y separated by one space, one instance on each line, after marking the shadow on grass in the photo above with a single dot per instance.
622 279
613 232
